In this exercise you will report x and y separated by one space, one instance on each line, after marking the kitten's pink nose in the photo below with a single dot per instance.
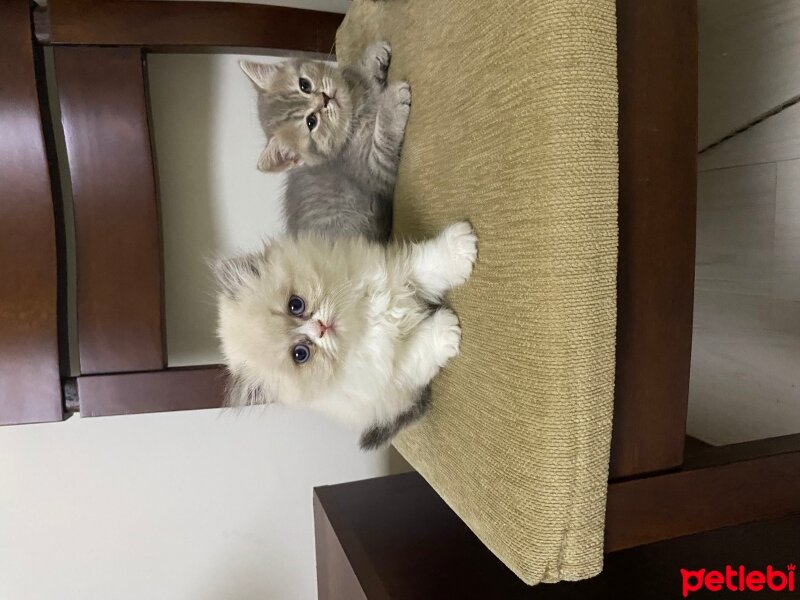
325 100
322 328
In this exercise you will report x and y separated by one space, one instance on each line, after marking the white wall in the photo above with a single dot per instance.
206 505
213 199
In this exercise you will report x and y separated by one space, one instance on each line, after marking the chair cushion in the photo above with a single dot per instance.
513 126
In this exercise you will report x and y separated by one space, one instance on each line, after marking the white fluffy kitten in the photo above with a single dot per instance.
345 326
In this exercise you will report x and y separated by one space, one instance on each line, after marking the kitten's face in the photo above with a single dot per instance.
287 320
305 108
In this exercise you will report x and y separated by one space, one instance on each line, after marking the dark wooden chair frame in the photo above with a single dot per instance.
660 486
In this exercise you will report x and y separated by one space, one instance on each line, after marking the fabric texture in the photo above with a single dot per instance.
514 127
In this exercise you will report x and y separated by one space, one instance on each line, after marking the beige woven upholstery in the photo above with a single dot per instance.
513 126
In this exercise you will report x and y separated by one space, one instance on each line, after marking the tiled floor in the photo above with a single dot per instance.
745 379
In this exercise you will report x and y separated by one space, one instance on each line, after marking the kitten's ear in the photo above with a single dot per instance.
240 391
278 156
234 273
260 74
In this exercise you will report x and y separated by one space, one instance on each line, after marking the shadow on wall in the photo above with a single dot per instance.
181 117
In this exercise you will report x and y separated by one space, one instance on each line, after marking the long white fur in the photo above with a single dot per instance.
388 342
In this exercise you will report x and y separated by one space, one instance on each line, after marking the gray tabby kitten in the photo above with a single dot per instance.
340 132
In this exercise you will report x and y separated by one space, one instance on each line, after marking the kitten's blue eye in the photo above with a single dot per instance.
297 306
301 353
305 85
311 121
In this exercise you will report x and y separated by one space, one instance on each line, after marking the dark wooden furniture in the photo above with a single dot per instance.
657 66
100 53
394 538
186 27
30 389
118 260
660 488
148 391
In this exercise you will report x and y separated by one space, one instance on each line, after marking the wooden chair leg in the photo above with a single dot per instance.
117 226
657 65
30 389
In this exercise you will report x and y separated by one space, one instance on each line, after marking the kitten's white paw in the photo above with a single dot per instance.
462 245
446 335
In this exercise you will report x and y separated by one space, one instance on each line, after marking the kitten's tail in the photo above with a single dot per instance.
379 436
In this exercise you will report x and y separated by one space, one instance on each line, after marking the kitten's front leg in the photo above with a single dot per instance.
390 129
434 342
444 262
375 61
